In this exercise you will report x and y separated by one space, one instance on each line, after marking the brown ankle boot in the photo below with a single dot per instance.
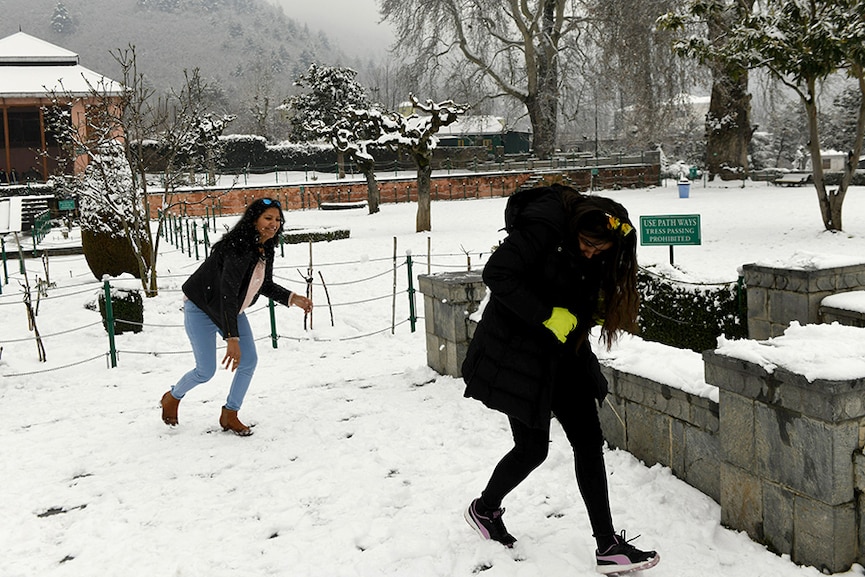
169 409
229 422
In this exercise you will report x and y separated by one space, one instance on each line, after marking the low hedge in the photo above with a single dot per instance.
689 316
298 236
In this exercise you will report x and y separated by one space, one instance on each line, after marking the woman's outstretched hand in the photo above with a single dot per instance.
300 301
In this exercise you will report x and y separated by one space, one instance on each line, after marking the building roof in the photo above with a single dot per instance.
33 68
474 126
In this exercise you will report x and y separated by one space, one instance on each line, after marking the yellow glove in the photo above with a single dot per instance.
561 323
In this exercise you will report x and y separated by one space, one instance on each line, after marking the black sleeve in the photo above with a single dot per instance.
510 269
271 289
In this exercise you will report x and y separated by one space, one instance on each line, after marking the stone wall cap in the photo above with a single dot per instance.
807 262
824 352
455 276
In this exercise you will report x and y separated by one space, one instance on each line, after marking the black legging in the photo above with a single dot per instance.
574 407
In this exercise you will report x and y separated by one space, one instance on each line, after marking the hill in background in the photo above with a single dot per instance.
246 50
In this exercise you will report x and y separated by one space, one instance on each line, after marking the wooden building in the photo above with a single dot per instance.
33 73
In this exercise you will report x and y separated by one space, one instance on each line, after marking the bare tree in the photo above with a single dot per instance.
636 66
113 138
524 49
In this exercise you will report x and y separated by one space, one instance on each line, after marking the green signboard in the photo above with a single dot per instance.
670 229
66 204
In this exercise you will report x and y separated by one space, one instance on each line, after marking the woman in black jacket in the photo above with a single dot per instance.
567 264
239 268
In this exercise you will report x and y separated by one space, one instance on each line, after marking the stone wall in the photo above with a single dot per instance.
790 449
664 425
777 296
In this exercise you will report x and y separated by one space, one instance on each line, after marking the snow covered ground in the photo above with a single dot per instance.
363 458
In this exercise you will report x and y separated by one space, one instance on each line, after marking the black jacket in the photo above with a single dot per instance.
219 285
513 360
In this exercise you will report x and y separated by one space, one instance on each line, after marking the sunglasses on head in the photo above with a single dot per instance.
268 202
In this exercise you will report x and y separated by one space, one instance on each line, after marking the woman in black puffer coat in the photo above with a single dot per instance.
567 264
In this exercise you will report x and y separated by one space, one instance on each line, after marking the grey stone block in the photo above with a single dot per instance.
613 415
778 530
859 473
737 430
786 306
458 287
649 435
825 536
758 304
702 462
810 457
705 414
734 375
741 501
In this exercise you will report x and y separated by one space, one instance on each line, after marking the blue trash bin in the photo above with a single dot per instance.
684 188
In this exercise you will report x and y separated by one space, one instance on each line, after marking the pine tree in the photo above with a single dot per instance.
61 21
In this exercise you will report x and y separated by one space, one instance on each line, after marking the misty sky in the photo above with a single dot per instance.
352 24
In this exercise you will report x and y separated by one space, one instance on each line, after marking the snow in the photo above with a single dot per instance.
363 458
849 301
831 352
33 67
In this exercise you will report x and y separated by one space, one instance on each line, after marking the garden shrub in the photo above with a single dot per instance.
689 316
298 236
127 307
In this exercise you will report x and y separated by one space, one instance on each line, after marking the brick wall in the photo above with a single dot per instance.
293 196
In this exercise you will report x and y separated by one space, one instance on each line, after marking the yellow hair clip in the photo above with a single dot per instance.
615 224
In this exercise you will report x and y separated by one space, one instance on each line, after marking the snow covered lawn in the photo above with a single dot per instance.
363 458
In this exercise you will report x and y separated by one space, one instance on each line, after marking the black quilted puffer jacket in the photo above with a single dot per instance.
513 360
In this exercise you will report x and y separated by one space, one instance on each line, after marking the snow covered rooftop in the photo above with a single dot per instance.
31 68
467 125
21 48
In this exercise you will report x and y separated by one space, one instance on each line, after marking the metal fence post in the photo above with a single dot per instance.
109 321
412 317
195 238
274 337
5 270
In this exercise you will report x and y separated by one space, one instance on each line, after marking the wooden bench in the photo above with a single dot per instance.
794 179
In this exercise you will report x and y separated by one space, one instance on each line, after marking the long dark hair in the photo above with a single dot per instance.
604 220
244 236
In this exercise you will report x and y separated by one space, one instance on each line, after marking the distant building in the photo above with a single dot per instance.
833 161
490 132
30 71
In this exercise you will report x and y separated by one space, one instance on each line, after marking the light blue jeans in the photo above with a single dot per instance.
202 334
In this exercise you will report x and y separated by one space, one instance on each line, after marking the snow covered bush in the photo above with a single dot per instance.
689 316
108 210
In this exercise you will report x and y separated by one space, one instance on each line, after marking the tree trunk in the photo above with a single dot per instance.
340 164
728 123
823 199
542 103
728 127
373 195
543 128
424 176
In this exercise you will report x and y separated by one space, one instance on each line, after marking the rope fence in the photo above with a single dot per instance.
104 290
